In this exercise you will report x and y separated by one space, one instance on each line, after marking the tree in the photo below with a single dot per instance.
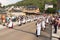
51 10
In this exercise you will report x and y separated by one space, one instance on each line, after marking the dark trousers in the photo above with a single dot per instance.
55 28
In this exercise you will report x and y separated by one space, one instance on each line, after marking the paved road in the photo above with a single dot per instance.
2 27
57 35
25 32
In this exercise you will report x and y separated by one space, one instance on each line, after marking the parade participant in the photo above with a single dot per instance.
7 19
50 19
47 19
59 22
10 24
23 21
53 18
19 21
43 22
3 19
55 24
38 30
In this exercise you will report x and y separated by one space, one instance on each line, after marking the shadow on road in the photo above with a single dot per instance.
43 36
56 37
24 31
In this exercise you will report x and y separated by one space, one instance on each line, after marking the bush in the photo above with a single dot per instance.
51 10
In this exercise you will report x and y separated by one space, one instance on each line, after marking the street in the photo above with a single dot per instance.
30 20
57 35
25 32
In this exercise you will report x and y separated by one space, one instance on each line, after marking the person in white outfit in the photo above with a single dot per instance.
10 24
47 20
43 22
23 22
19 21
38 30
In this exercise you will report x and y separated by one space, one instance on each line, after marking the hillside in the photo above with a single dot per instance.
38 3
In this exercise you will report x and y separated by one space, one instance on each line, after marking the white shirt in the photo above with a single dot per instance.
10 24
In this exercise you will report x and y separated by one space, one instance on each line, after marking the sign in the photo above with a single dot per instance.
48 6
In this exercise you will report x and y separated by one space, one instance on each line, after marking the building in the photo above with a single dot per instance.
31 10
16 12
24 10
2 11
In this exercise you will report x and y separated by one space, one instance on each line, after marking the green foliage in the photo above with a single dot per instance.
51 10
54 3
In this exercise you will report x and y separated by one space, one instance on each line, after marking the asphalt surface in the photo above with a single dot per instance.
56 36
25 32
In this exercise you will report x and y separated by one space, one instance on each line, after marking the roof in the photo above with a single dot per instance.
15 10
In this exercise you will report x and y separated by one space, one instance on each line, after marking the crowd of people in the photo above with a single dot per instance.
44 20
56 22
41 21
9 20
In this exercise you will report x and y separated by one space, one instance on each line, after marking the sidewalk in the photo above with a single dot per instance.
2 27
55 36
